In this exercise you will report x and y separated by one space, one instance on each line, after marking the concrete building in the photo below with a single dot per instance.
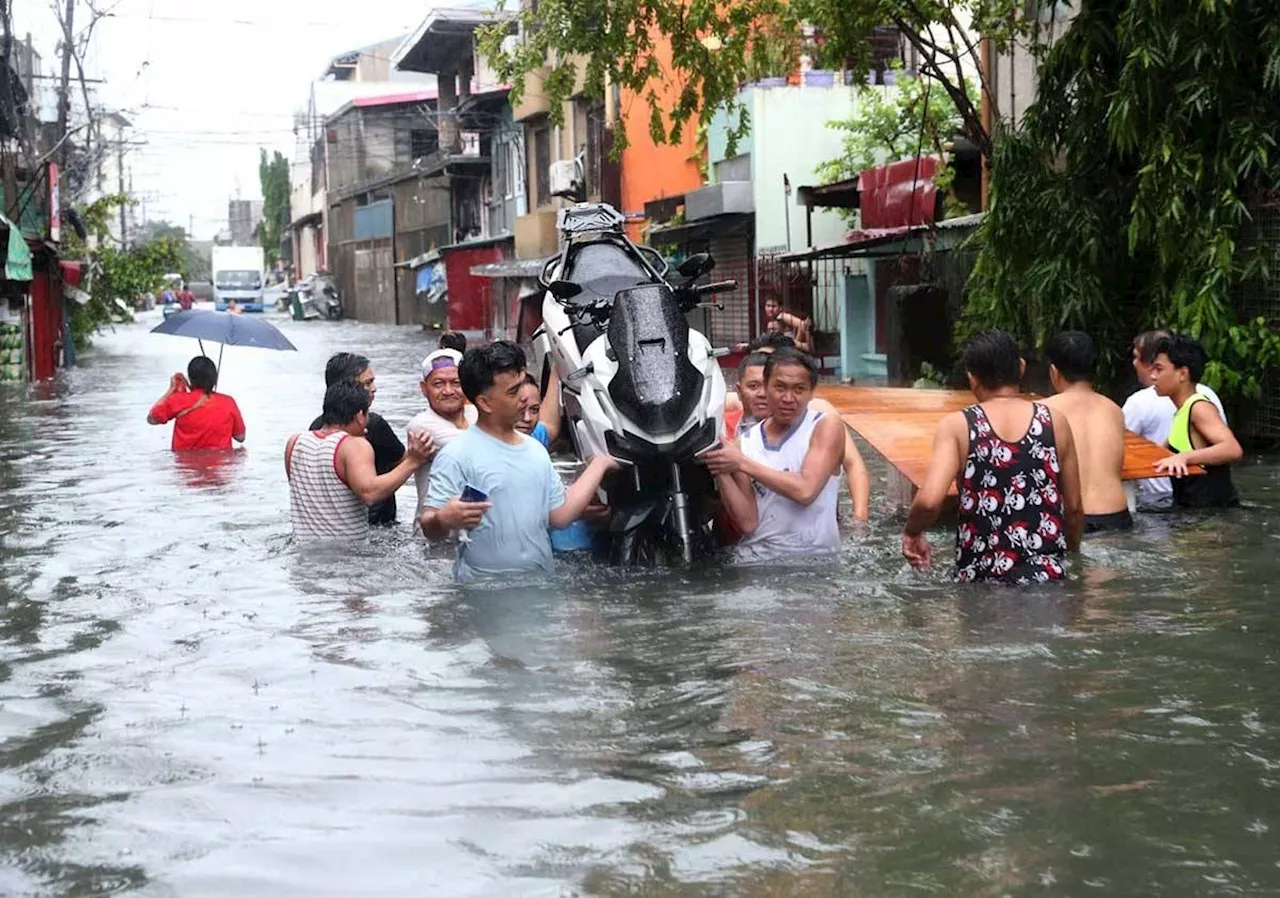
355 75
243 218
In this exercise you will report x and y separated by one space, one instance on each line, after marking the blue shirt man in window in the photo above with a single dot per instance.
508 532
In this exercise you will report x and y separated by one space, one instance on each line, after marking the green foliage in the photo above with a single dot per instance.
273 175
115 272
195 263
891 123
1123 201
716 47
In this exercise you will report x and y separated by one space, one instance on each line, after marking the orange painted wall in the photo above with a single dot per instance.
650 171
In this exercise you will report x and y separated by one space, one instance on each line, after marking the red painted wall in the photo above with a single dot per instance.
46 317
470 297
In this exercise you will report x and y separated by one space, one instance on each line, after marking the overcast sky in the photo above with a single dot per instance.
207 82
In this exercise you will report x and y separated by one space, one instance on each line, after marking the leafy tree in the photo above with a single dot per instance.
897 122
717 47
273 175
1123 202
114 272
195 262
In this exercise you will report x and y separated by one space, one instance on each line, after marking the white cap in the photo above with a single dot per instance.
441 358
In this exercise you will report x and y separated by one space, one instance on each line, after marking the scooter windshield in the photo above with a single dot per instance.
656 385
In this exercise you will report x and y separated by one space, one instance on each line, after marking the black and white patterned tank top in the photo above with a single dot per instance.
1012 523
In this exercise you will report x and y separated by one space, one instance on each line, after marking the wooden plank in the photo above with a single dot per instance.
900 423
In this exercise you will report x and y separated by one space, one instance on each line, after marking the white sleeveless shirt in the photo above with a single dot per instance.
321 505
788 528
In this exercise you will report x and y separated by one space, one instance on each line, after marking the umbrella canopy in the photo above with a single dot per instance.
222 327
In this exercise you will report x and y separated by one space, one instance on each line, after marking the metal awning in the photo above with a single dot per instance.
311 218
727 225
511 268
884 241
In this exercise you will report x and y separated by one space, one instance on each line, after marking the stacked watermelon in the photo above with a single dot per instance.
12 354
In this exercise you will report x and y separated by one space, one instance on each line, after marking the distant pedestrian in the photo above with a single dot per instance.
202 419
524 497
453 340
331 473
1014 464
388 451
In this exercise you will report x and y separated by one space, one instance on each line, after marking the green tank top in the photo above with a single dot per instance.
1180 432
1213 488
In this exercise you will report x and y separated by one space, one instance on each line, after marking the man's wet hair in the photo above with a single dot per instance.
344 366
752 360
792 357
453 340
992 357
1184 352
202 373
481 364
773 340
342 402
1072 353
1147 343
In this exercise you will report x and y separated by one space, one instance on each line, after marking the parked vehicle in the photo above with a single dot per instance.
238 275
316 296
637 382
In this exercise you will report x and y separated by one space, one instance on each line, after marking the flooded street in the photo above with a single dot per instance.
190 706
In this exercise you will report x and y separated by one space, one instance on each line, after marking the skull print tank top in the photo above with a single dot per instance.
1012 522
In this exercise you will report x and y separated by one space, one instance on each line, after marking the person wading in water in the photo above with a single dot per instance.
1198 436
388 451
332 478
1014 463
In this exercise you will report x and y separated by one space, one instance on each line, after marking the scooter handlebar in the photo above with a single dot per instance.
716 287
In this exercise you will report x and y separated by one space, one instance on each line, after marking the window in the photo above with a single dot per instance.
595 149
542 164
422 142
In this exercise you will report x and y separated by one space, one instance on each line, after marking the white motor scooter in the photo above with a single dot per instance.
637 382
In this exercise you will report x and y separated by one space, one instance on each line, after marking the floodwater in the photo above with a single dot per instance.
191 706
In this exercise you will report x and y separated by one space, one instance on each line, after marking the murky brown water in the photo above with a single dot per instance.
189 706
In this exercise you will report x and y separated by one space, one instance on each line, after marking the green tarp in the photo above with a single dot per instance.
17 262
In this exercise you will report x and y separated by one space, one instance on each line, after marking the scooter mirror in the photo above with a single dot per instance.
696 265
564 289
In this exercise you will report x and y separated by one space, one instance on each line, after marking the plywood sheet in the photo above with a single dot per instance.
900 423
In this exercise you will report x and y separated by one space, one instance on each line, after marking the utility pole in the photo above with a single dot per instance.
124 223
64 92
9 161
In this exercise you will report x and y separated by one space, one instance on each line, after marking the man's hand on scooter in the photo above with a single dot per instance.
727 458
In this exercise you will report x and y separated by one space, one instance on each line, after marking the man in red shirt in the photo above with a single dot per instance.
202 419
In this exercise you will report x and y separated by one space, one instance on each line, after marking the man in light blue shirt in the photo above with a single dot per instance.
523 494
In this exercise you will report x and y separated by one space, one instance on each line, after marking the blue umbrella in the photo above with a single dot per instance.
224 328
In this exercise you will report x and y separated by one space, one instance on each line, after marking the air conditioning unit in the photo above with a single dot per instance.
567 180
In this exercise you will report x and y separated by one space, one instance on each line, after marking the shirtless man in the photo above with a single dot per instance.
1097 424
854 467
